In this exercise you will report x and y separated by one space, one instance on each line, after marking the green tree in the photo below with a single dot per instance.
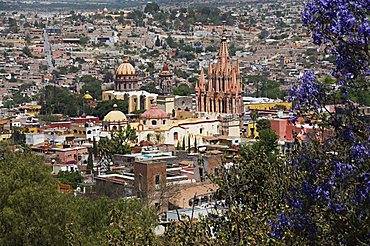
90 161
104 107
84 40
171 42
127 216
70 178
182 90
56 100
119 143
263 34
23 220
150 87
18 137
95 149
92 85
34 213
26 50
151 8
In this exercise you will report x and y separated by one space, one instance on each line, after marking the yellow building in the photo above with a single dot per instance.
31 129
122 27
267 106
252 130
137 100
31 110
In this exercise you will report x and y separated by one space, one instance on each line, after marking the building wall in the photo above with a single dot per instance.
267 106
71 155
145 176
134 100
183 103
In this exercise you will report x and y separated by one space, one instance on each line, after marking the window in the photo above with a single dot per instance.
144 122
89 132
201 131
157 179
175 136
216 171
154 122
164 122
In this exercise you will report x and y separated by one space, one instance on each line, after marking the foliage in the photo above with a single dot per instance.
23 220
26 50
182 90
118 143
265 87
70 178
18 137
171 42
150 87
124 229
90 161
151 8
330 200
34 213
104 107
56 100
92 85
263 34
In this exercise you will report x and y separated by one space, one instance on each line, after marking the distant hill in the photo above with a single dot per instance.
13 5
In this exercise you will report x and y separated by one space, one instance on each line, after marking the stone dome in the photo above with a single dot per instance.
155 113
125 68
115 115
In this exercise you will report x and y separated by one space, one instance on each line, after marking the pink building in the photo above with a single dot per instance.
73 155
284 129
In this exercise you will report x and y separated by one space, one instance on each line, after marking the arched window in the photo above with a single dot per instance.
89 132
154 122
175 136
164 122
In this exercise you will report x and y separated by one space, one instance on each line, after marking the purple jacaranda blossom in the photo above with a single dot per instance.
308 94
360 151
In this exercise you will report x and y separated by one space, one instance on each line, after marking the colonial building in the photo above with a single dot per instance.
126 77
221 92
126 87
165 81
114 120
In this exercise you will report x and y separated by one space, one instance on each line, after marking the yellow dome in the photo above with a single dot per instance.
87 96
126 69
115 116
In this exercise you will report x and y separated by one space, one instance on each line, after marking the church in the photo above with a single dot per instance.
221 92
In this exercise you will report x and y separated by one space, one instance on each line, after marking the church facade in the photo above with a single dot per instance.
221 92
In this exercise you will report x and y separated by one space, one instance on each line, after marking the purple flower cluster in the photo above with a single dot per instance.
289 220
360 151
309 93
344 26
